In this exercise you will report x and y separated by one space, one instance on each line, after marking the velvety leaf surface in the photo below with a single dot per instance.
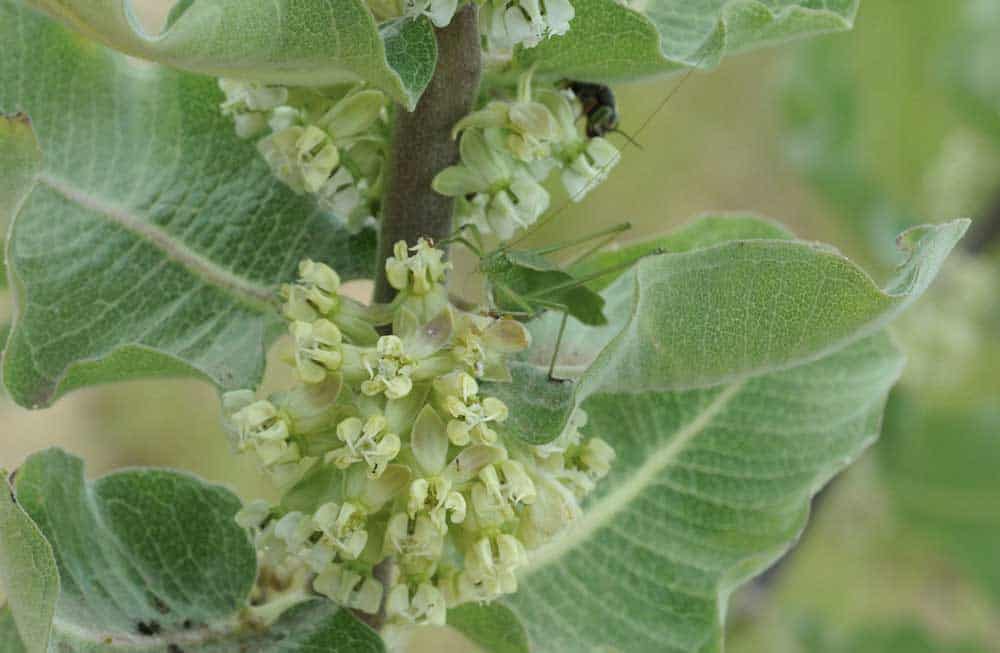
494 627
16 172
611 41
539 406
290 42
152 560
711 315
715 470
28 575
152 241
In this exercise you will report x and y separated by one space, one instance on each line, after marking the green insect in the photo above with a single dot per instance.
523 283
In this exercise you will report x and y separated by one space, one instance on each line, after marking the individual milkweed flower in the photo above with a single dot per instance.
433 493
419 273
528 128
367 441
586 161
303 158
416 543
294 529
344 196
317 349
471 414
490 566
343 527
554 509
590 167
350 588
353 115
501 489
315 295
439 11
596 457
424 606
249 103
524 22
505 195
397 361
482 343
254 514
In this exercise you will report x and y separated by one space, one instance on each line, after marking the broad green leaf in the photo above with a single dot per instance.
307 42
152 560
704 231
492 626
611 41
28 575
721 442
709 488
539 406
152 240
713 315
16 172
10 640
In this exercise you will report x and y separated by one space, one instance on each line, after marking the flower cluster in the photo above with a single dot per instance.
509 148
329 145
391 447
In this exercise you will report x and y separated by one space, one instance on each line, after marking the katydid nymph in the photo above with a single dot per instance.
523 283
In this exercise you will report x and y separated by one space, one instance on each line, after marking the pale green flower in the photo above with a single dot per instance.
482 343
419 273
426 606
367 442
317 349
528 128
304 158
554 509
490 566
397 361
314 294
343 527
349 588
505 195
439 11
524 22
590 167
471 414
249 103
253 514
417 543
353 115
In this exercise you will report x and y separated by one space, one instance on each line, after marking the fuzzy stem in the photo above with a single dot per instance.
422 145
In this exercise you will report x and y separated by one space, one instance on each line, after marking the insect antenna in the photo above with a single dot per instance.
610 231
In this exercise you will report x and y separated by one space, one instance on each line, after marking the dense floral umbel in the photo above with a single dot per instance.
389 447
509 147
329 144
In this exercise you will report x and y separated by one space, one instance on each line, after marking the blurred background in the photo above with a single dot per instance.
847 139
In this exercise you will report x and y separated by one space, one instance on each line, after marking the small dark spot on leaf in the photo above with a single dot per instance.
158 603
187 624
173 648
148 628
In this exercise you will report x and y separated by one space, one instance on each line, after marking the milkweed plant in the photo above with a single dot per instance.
590 450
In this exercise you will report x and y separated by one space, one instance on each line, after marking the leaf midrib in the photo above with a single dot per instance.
604 510
258 296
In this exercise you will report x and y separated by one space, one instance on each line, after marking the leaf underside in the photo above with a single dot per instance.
152 241
152 560
610 41
721 442
303 43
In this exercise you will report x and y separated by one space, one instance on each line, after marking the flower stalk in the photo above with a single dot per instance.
422 145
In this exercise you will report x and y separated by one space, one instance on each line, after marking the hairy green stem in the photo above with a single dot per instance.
422 145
